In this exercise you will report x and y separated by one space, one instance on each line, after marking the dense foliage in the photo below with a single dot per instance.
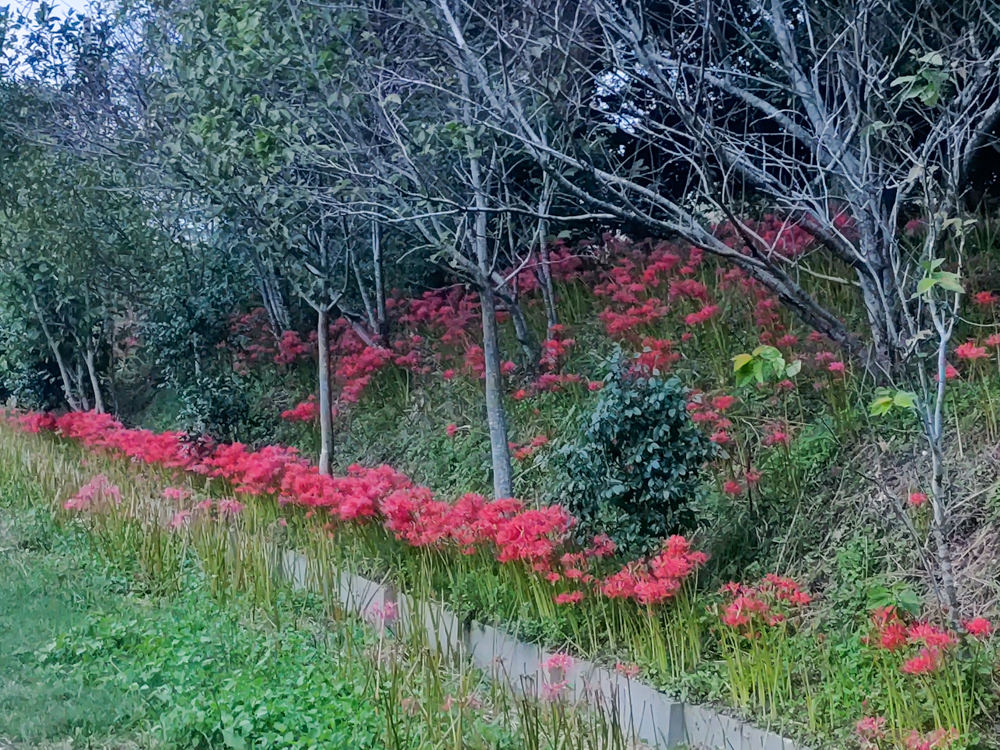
637 467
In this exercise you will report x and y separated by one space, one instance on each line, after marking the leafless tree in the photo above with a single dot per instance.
849 118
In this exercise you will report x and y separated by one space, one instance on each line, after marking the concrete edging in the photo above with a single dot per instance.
654 717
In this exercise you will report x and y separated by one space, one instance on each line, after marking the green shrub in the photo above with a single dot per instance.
636 468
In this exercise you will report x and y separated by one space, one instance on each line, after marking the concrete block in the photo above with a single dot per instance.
506 658
707 730
442 629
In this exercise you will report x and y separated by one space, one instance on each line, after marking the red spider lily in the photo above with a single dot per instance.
768 603
871 729
307 411
985 299
629 671
732 487
721 403
595 385
980 628
970 351
993 340
939 739
916 499
176 493
702 316
927 661
721 437
574 597
95 491
776 435
836 367
229 507
930 636
787 341
950 373
451 430
602 546
891 633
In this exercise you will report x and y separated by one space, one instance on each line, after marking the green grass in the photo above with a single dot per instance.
88 658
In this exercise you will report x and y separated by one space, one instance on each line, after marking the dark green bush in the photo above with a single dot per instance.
635 470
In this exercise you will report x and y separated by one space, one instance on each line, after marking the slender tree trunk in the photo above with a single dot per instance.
545 266
81 393
496 418
270 294
60 362
522 330
88 357
495 414
366 299
380 316
325 416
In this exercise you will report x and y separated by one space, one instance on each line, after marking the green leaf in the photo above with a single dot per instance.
931 58
926 284
905 399
793 369
949 281
880 406
741 360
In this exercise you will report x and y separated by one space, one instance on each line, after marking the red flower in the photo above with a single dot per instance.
721 403
451 429
837 367
595 385
970 351
993 340
917 499
985 299
702 316
930 636
573 597
979 628
927 661
732 488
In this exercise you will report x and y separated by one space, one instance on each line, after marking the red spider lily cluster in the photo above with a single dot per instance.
93 494
872 735
523 452
511 531
307 411
770 603
657 579
922 646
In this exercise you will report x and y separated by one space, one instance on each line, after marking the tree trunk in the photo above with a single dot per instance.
939 532
366 299
88 357
60 362
380 316
495 415
270 294
545 267
529 345
325 416
548 290
78 382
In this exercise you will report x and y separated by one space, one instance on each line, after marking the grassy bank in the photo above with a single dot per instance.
101 648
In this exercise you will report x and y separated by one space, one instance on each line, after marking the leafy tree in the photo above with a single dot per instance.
636 469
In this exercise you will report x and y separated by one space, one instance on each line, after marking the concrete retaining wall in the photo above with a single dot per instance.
655 718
